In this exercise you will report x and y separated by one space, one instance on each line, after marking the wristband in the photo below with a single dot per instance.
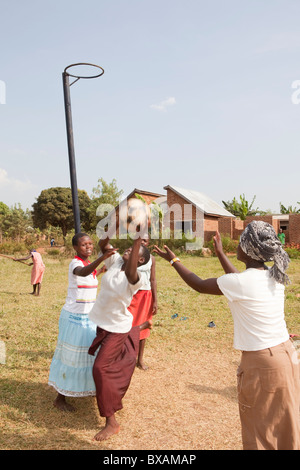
174 260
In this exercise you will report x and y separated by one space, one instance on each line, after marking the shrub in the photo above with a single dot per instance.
229 245
293 253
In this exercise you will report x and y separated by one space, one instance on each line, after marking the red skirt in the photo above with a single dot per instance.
113 367
141 309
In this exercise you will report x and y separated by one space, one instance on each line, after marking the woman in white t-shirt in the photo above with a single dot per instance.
268 375
71 367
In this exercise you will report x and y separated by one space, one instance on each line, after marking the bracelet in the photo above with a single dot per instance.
174 260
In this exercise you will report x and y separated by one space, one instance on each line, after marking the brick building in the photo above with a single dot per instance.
193 212
189 211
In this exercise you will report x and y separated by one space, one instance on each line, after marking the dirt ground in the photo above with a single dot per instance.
187 401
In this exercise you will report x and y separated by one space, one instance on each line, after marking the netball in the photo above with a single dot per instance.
135 214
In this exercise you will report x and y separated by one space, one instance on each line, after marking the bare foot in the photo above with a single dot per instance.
142 365
111 428
62 405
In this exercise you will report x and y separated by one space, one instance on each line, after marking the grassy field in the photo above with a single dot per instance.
186 400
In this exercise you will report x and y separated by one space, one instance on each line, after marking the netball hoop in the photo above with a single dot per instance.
67 99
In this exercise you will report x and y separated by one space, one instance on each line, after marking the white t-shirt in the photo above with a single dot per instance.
256 302
110 310
82 291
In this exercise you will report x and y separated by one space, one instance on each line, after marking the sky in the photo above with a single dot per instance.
196 94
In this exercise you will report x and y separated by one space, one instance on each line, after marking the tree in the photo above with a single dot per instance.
103 194
15 222
289 209
54 207
4 211
241 209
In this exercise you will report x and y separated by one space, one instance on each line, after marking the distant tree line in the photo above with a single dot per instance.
242 208
54 209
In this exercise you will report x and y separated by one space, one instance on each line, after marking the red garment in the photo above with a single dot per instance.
38 268
113 367
141 308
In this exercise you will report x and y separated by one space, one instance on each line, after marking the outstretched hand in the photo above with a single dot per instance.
167 254
109 252
218 243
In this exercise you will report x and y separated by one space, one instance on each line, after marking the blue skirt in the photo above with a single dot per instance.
71 370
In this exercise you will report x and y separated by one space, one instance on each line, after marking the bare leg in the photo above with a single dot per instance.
38 290
61 404
140 361
111 427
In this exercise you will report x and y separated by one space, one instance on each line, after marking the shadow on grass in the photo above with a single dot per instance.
227 392
32 422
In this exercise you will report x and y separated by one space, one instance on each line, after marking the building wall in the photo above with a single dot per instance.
234 227
226 225
294 228
147 197
266 218
203 225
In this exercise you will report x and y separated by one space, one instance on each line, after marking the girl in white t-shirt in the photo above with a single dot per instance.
71 367
268 376
118 340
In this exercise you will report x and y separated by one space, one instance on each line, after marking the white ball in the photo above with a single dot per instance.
136 214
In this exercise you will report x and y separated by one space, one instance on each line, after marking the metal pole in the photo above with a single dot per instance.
71 151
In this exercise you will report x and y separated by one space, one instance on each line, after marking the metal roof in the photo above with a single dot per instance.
200 200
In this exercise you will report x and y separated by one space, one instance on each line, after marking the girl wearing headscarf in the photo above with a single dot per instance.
268 375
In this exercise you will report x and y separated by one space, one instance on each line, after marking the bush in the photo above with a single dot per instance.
229 245
12 247
293 253
54 252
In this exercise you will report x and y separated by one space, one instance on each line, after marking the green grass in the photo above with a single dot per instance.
29 327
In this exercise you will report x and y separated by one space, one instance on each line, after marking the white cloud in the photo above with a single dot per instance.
13 190
162 106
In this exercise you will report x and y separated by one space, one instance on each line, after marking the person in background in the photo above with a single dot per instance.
281 236
37 271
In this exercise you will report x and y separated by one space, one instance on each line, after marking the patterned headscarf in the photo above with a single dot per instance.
260 242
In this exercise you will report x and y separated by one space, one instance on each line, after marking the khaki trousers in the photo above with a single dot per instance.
269 398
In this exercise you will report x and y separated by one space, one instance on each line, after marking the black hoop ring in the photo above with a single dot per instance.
79 76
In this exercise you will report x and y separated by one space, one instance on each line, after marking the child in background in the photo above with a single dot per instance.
71 367
144 304
37 271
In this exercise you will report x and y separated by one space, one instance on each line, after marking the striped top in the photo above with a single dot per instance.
82 291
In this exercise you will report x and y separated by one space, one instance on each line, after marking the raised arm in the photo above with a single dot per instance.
86 270
104 242
132 263
23 259
204 286
224 260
